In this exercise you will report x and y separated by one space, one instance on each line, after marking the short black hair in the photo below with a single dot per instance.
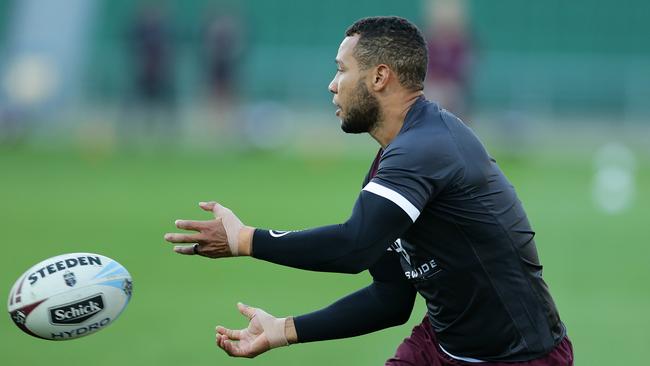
393 41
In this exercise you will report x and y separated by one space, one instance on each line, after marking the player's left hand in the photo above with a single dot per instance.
220 237
263 333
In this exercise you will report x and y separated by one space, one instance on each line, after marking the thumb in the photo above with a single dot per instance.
207 206
219 211
231 224
246 310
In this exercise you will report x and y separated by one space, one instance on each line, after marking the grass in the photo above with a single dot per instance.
120 205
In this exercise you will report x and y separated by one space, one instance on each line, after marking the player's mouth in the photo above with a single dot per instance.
338 108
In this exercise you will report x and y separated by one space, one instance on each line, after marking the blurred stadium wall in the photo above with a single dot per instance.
533 64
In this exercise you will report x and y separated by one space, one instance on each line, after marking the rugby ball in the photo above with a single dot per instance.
69 296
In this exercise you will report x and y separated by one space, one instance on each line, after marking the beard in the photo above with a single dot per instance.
363 113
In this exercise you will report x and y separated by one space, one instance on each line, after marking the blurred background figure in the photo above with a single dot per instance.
152 61
222 52
450 55
223 37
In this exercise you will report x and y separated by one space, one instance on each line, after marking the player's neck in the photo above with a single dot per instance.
392 118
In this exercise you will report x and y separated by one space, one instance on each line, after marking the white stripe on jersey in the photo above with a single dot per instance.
394 197
466 359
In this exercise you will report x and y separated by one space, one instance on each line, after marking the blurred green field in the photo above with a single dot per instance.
55 202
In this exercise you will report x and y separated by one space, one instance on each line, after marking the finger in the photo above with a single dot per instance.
230 333
184 249
224 345
222 337
207 206
220 340
191 225
246 310
234 349
182 238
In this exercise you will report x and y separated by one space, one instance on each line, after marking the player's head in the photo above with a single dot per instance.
373 51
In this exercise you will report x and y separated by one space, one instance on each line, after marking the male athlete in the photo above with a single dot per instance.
436 216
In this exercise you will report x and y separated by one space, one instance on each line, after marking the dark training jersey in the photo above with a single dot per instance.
463 239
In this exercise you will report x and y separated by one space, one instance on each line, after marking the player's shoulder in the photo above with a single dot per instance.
426 144
426 134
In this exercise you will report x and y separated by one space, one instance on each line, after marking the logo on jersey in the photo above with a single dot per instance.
399 249
278 233
422 271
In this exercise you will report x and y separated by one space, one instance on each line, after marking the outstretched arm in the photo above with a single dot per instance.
387 302
350 247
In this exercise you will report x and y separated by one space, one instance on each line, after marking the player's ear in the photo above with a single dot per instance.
380 77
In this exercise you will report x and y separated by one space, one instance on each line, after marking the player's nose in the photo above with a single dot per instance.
333 88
